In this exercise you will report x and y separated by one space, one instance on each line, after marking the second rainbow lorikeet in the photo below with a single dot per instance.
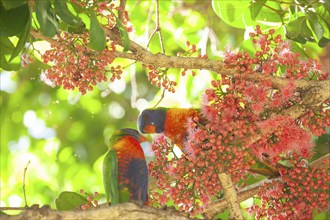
170 121
125 172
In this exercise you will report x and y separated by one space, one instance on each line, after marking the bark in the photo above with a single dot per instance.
230 196
121 211
315 92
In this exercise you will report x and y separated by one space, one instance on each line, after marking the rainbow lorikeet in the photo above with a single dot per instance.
170 121
125 172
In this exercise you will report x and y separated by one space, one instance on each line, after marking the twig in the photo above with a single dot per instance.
39 35
230 196
25 169
134 92
157 29
121 10
128 65
161 98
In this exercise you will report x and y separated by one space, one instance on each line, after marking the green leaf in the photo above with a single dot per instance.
69 201
323 42
234 12
295 47
6 48
63 12
12 21
293 9
22 40
255 8
305 31
324 13
267 15
248 46
86 20
9 4
97 39
46 18
323 18
123 34
325 27
77 8
293 28
300 39
315 25
9 66
78 29
6 45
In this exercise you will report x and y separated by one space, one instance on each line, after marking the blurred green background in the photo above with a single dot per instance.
64 134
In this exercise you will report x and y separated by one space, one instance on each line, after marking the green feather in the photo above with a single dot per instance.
114 138
110 177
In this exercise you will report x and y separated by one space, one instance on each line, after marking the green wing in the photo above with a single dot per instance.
110 177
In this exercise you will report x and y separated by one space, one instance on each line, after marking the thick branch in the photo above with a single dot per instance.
230 196
251 190
317 91
122 211
322 162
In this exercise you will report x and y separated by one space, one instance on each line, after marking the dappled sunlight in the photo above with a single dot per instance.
6 82
116 110
37 127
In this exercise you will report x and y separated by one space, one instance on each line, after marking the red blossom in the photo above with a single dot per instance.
300 191
240 122
77 66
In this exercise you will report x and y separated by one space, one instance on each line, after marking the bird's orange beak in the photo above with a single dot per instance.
150 129
143 139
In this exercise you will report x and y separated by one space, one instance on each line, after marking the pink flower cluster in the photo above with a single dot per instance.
241 124
74 64
286 139
301 190
159 78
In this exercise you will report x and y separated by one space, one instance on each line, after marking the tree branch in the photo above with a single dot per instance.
318 91
251 190
121 10
24 191
230 196
121 211
322 162
157 29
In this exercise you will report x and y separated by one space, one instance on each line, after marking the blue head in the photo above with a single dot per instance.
152 120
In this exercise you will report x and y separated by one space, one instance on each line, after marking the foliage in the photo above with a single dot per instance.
302 20
69 200
64 133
